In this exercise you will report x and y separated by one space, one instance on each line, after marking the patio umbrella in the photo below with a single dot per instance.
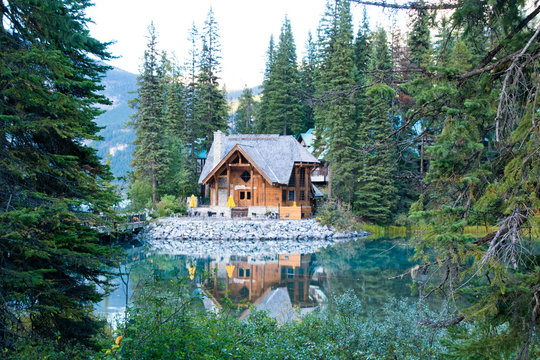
192 202
231 203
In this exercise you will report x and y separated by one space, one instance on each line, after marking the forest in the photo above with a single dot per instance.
434 128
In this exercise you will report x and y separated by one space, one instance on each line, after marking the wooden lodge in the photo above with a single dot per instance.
262 173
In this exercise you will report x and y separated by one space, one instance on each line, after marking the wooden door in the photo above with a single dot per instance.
244 197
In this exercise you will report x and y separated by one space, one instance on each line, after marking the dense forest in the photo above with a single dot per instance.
435 128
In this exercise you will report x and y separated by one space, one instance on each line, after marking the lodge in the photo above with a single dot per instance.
261 174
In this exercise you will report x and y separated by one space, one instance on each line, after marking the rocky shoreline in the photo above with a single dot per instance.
204 237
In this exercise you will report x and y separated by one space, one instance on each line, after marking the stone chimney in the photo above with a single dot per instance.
219 147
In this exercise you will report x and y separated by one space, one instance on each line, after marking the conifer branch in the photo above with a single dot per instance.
501 44
414 5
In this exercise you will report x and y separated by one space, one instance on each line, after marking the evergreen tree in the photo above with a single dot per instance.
244 117
282 109
150 158
376 192
335 113
265 108
175 113
211 103
190 98
307 84
419 41
482 170
54 187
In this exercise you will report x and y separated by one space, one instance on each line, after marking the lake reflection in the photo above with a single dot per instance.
285 285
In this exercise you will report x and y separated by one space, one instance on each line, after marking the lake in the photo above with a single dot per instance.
286 285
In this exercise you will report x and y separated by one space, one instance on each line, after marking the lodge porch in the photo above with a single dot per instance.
252 212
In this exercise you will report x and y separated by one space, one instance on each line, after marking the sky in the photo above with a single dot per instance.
245 27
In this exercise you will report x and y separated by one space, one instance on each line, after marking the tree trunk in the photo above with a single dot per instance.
154 197
329 182
422 158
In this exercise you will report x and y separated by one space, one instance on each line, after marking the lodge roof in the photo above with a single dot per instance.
273 154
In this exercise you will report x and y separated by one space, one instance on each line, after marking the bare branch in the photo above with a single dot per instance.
501 44
413 5
443 324
503 98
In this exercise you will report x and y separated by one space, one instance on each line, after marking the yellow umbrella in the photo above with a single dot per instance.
230 269
191 270
192 202
294 203
230 202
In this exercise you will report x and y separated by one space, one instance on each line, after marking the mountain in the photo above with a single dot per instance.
120 87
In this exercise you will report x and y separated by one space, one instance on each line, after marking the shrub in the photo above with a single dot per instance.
341 218
169 204
166 322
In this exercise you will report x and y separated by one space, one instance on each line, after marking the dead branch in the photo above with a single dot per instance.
506 244
503 98
414 5
482 70
442 324
517 29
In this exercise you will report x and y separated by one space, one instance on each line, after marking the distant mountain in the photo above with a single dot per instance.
235 94
120 87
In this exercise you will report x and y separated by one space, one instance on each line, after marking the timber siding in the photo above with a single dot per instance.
258 170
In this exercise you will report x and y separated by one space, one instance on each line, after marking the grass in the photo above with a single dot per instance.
402 231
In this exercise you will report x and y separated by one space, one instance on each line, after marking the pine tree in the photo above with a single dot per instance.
244 117
335 113
281 105
375 194
54 187
211 103
265 108
150 158
307 85
481 171
190 98
419 41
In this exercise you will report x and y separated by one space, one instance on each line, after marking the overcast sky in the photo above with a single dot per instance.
245 27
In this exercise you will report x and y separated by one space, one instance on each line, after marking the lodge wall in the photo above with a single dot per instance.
249 188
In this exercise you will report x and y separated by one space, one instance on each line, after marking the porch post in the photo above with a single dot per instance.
252 193
215 197
228 182
264 190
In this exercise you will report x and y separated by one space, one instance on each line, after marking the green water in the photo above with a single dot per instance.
364 266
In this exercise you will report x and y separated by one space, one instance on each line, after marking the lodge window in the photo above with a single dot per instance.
245 195
290 273
283 195
302 195
292 179
243 272
291 195
245 176
302 177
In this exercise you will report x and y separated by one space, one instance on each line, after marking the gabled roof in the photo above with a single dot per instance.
273 154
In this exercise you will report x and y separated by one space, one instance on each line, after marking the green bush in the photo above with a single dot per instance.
140 194
166 322
170 205
332 214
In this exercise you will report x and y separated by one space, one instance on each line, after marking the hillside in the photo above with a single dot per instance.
120 87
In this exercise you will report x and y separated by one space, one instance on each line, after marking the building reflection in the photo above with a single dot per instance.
275 284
